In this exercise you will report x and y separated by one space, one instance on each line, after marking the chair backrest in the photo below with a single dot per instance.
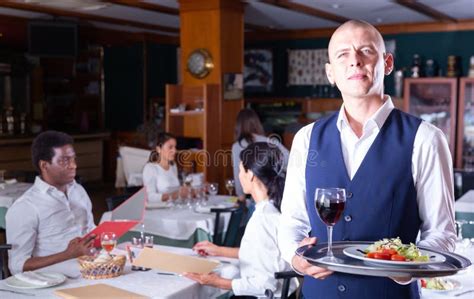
115 200
3 260
287 276
133 160
233 229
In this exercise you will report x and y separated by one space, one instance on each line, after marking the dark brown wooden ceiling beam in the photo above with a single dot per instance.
426 10
254 27
146 6
306 10
84 16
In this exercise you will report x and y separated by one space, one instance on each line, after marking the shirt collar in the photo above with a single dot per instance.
378 118
260 205
44 187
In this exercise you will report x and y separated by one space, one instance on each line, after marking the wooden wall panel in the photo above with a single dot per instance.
15 154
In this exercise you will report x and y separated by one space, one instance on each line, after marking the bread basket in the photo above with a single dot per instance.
93 270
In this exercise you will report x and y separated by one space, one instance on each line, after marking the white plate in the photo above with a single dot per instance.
354 253
14 282
457 286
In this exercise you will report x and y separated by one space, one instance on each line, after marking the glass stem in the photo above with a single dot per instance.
329 253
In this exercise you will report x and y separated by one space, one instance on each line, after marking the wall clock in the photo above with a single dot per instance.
199 63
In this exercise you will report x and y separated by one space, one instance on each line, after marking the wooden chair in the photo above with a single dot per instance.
231 238
3 260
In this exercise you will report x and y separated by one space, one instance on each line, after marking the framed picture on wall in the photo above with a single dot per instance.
307 67
258 70
233 86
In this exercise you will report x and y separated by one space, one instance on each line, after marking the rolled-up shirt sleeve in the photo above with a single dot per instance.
433 172
21 231
149 181
294 224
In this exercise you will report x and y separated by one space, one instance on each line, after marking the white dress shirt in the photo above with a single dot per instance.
259 255
43 221
237 147
157 180
432 175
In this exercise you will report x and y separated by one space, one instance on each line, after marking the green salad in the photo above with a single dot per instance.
409 252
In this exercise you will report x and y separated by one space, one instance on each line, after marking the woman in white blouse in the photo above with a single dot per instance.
262 175
160 174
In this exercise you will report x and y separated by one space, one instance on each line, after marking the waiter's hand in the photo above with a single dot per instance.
303 267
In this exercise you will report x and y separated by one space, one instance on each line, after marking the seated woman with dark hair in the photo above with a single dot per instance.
262 175
160 174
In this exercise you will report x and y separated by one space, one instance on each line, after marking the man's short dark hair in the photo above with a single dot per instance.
44 144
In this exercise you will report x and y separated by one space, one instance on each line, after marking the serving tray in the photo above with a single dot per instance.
315 254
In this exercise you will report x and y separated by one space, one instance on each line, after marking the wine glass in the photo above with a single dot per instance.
330 203
108 241
188 180
213 189
229 185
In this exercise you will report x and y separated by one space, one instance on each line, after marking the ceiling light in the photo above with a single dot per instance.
336 5
378 20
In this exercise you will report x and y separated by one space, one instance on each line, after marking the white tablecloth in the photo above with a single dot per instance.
10 192
147 283
466 278
180 224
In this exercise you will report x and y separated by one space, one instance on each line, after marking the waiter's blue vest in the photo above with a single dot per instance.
381 201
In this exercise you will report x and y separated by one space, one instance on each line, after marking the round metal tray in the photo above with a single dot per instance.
314 254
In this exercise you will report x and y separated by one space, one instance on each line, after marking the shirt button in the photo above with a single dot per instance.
349 194
348 218
341 288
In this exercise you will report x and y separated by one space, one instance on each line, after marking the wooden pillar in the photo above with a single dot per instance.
215 25
218 27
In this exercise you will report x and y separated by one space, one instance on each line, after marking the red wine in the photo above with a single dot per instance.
330 215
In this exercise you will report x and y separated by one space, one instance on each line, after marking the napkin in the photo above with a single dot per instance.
201 209
11 181
38 279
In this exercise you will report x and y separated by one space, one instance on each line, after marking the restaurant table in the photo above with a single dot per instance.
465 277
181 227
8 194
147 283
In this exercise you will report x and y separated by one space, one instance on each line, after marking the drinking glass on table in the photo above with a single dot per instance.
229 185
108 240
330 203
213 189
2 178
187 183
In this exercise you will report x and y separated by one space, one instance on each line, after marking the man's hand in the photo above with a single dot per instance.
211 279
206 248
302 266
79 246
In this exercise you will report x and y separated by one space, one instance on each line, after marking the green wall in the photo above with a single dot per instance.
435 45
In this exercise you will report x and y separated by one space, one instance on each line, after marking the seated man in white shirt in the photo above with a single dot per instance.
46 223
